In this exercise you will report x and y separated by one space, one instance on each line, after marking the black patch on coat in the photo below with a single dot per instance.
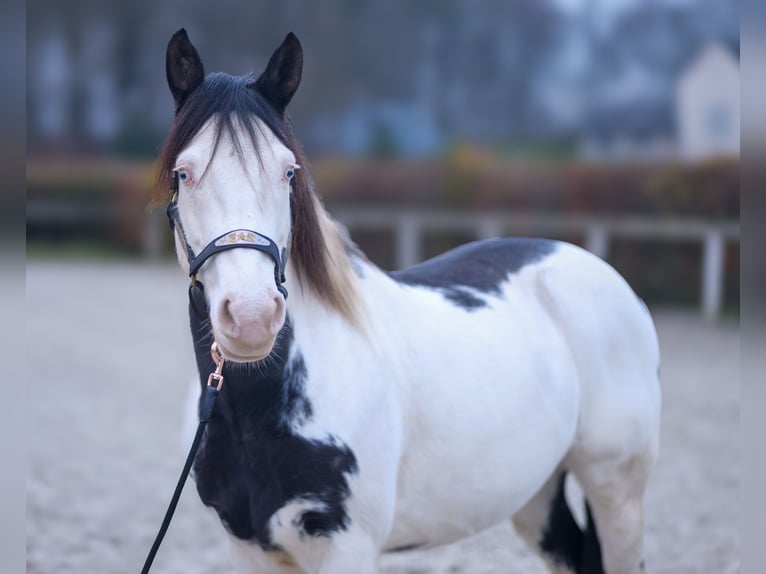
251 462
297 406
479 266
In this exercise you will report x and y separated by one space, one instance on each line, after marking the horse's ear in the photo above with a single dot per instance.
183 67
282 76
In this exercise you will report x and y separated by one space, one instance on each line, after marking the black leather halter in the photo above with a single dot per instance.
244 238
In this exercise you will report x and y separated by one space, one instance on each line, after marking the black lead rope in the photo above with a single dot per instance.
205 409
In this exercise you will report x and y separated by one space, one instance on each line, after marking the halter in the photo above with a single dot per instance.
245 238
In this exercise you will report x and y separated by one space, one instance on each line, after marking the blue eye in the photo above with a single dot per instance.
290 173
183 176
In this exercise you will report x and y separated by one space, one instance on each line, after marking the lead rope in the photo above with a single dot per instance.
214 384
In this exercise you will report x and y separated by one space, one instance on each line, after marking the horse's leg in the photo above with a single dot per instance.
546 524
350 553
612 458
248 558
614 488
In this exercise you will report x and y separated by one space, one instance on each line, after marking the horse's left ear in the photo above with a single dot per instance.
282 76
183 67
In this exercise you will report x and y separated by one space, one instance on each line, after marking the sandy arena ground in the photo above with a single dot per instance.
109 360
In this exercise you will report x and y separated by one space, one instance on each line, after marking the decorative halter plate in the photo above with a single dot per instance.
242 236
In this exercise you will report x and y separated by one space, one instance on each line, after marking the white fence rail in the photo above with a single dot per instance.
410 226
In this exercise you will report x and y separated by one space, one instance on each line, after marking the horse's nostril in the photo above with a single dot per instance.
276 316
227 318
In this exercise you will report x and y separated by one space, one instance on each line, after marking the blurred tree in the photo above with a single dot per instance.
491 71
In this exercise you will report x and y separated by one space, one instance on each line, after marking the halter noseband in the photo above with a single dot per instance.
245 238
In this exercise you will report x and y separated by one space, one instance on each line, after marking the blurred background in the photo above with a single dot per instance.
610 123
613 124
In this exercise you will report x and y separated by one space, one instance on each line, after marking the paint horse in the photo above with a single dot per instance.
369 411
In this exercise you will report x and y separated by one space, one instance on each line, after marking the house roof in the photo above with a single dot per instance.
731 45
642 119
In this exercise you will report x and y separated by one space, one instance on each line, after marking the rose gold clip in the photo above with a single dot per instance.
218 360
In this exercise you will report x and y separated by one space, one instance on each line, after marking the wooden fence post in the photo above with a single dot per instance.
408 249
152 239
712 273
488 227
597 240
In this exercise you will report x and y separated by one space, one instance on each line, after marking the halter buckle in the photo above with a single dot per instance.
218 359
215 377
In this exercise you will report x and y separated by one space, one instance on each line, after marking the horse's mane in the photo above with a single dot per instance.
318 250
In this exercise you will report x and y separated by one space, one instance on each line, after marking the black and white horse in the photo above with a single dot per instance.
376 411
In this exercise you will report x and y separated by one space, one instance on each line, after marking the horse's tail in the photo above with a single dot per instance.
565 543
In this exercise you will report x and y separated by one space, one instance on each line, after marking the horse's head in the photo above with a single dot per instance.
236 165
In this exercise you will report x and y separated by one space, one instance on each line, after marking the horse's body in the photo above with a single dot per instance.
423 405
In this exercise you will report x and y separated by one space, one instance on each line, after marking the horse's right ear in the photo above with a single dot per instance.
282 75
183 67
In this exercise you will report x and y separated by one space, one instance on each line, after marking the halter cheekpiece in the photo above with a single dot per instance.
236 238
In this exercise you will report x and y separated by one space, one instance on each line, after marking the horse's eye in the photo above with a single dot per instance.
290 173
183 176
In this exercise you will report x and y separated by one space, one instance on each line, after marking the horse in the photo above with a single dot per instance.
371 411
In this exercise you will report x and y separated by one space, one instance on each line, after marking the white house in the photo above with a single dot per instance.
707 105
